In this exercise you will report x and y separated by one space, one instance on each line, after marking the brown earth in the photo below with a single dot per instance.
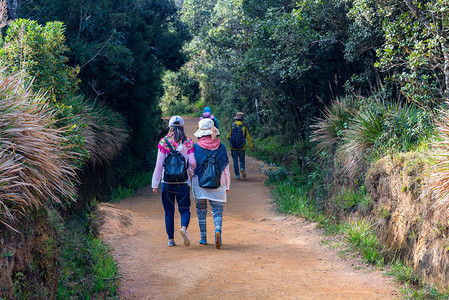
264 254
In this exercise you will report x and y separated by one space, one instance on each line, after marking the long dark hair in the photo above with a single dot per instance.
179 134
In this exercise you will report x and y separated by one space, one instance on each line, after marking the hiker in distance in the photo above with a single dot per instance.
175 153
238 136
211 179
207 114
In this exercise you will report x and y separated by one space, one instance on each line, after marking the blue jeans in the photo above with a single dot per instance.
217 214
180 193
236 156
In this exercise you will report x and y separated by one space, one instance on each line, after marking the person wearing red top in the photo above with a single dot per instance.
174 191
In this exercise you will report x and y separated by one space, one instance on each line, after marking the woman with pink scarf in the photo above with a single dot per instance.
210 146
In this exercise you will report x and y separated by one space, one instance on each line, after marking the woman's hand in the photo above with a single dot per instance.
154 190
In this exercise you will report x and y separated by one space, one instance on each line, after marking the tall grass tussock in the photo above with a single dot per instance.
104 130
32 162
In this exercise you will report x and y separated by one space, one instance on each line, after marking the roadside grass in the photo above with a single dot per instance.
358 235
131 186
88 271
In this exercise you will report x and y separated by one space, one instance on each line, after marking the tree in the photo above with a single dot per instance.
416 48
39 52
122 48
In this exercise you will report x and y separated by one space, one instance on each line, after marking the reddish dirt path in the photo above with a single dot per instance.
264 255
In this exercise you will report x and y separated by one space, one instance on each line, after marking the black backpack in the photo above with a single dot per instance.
210 175
237 140
175 166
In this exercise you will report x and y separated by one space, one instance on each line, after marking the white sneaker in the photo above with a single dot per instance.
185 237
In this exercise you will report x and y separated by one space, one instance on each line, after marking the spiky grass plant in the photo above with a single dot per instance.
104 132
360 136
367 126
32 165
328 131
405 128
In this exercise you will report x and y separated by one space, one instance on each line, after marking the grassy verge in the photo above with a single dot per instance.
358 235
88 270
131 186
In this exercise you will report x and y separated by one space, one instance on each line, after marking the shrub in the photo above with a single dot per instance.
39 52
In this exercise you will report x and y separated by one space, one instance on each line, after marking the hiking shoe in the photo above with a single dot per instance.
203 241
217 239
185 237
243 173
171 243
237 177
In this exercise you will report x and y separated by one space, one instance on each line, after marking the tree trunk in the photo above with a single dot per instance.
12 8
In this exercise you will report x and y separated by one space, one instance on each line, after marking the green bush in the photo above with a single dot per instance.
39 51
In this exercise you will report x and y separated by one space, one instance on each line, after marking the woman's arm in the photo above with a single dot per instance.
192 162
227 177
157 174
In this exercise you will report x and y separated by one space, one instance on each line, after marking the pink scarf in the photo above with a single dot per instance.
206 142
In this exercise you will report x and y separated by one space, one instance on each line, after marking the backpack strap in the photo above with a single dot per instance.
206 153
169 145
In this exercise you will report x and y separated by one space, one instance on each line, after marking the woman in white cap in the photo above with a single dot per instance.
211 178
175 142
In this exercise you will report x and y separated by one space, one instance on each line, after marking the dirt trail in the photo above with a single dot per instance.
264 254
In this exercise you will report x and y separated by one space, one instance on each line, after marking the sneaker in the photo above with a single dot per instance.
217 239
171 243
237 177
243 173
203 241
185 237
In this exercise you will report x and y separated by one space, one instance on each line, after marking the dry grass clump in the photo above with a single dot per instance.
32 165
105 131
439 178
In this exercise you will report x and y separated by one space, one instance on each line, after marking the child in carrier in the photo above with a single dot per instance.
211 178
173 158
238 136
207 114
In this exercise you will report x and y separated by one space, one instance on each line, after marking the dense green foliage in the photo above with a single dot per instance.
121 49
39 52
340 83
75 83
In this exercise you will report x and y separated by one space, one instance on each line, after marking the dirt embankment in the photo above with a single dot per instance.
264 254
28 260
406 219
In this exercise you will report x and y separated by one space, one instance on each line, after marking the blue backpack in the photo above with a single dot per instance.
175 166
210 174
237 139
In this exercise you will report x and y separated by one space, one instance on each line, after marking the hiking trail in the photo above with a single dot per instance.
264 255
